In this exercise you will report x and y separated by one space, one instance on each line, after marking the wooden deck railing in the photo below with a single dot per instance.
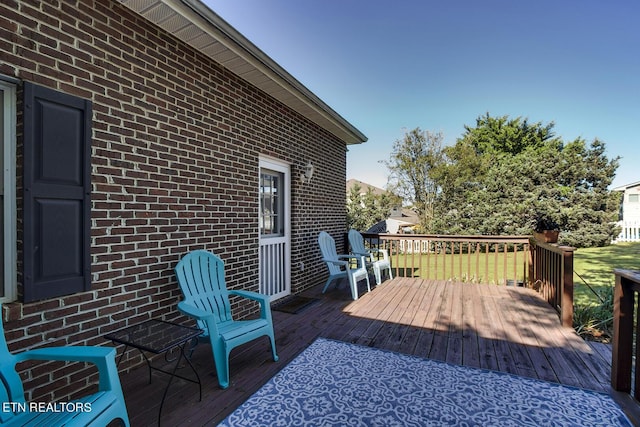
500 260
552 277
626 311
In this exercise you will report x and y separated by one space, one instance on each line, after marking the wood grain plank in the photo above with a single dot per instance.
498 334
494 327
470 344
520 315
425 339
486 349
402 318
456 325
411 338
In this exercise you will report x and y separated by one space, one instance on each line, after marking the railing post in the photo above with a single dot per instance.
530 273
622 351
567 287
552 277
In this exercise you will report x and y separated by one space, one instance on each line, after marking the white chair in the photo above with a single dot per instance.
357 247
339 265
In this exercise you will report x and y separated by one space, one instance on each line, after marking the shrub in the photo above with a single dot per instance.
595 321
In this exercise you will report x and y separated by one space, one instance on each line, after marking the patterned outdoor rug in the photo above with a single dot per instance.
333 383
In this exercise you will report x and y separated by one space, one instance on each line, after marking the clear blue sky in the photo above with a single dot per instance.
389 67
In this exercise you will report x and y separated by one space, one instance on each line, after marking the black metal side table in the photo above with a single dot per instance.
160 337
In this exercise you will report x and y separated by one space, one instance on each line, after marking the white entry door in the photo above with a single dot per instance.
274 219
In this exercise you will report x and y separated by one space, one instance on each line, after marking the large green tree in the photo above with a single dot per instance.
503 174
366 208
411 165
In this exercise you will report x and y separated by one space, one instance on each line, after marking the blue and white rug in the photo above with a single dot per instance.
334 383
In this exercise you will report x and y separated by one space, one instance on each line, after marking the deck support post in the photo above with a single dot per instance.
627 284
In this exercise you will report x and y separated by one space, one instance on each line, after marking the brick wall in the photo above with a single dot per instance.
175 151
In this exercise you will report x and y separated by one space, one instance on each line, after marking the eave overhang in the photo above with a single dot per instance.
195 24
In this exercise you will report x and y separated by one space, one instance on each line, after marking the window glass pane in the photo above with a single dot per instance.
271 208
2 292
8 291
634 198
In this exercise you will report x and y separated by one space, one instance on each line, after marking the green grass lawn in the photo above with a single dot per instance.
593 273
495 268
595 267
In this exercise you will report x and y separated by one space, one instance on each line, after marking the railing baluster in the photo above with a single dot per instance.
504 266
436 254
477 275
515 265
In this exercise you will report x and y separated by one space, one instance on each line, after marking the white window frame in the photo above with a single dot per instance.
8 130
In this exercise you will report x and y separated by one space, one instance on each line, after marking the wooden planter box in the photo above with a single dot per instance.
547 236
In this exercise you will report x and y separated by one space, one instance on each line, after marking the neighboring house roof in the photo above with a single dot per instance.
364 187
394 223
378 228
406 216
400 217
194 23
626 187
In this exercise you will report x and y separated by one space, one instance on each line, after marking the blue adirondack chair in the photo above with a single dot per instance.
377 264
339 265
206 298
97 409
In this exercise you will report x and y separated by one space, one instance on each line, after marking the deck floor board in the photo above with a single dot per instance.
509 329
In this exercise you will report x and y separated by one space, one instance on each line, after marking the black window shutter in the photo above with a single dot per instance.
57 194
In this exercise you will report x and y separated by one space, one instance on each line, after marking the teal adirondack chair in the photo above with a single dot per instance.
100 408
339 265
206 298
377 264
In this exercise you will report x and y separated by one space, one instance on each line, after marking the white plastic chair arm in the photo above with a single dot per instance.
384 253
368 255
348 256
336 262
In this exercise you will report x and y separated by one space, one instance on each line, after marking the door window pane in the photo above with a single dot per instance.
271 203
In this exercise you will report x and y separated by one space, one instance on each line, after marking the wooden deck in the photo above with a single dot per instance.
508 329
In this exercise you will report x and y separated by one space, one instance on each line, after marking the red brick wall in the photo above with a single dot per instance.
175 151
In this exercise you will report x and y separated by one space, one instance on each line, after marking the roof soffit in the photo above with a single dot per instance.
194 23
